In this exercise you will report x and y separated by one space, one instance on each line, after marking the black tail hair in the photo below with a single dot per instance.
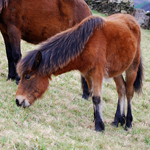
139 79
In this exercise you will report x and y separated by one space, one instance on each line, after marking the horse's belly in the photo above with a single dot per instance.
36 36
116 67
37 30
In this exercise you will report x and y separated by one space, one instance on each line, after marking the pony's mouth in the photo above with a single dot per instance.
21 101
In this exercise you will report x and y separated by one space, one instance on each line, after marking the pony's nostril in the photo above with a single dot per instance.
17 102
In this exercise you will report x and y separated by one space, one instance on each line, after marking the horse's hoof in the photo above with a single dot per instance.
99 129
10 79
122 122
17 82
99 126
85 96
13 79
114 124
128 129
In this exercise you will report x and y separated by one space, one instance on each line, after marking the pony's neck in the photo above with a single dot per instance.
69 67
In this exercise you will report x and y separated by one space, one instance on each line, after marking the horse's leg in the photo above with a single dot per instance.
85 88
88 81
97 79
131 74
121 90
11 66
15 38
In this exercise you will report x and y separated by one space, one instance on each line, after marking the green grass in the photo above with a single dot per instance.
63 120
97 13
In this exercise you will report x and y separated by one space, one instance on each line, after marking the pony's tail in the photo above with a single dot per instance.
139 79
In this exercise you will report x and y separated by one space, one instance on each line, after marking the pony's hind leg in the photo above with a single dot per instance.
130 78
97 78
132 75
120 112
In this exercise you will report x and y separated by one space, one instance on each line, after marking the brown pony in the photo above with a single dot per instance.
35 21
99 48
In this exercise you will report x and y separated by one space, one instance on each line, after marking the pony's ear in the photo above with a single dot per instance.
37 60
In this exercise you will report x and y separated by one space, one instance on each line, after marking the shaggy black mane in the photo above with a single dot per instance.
59 50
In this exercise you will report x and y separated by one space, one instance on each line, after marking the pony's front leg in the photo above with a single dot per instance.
86 92
97 104
97 101
14 48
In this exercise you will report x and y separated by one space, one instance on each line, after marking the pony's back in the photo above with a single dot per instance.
125 20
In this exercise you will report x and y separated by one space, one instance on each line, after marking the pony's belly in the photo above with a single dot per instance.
116 70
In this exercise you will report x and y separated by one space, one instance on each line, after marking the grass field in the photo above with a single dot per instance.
63 120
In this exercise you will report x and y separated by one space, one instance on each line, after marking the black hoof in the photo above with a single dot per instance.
99 130
13 79
122 121
17 79
99 127
128 128
17 82
85 96
114 124
10 79
118 120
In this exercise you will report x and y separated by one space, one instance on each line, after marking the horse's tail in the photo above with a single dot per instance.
3 4
139 79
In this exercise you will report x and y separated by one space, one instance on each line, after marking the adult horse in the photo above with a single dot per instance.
99 48
34 21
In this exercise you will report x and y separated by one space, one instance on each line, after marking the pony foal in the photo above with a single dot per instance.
96 47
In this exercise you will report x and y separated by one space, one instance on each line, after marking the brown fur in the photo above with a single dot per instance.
59 50
38 20
35 21
109 51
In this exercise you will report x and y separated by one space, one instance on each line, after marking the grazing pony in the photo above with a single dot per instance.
35 21
99 48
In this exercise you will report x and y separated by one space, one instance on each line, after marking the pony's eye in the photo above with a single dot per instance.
27 76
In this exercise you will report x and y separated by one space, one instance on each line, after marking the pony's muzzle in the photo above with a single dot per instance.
21 101
17 102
